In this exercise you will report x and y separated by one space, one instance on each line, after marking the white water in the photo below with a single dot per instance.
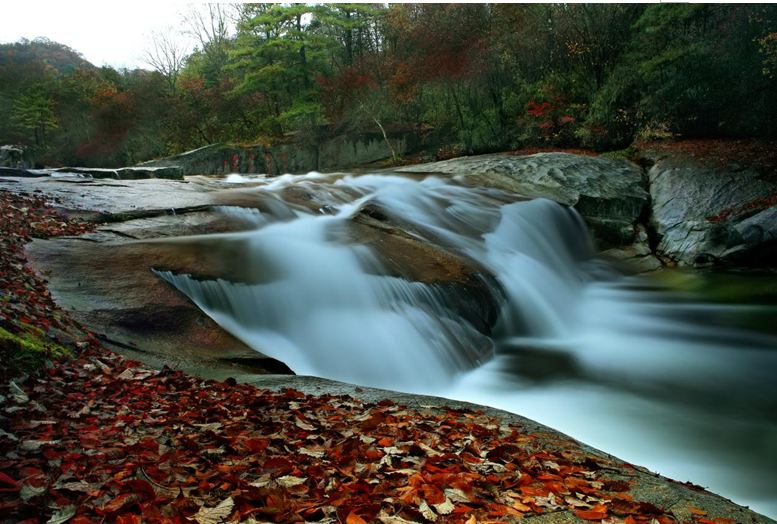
635 371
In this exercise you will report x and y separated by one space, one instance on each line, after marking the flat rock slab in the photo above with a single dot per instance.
113 196
126 173
18 172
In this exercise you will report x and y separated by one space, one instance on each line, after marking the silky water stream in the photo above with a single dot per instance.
651 375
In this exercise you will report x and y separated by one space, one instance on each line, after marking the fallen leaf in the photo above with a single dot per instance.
17 393
456 495
353 518
290 481
216 514
62 515
315 453
393 519
444 508
303 425
212 426
127 374
427 512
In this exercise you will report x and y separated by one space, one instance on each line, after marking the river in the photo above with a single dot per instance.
645 368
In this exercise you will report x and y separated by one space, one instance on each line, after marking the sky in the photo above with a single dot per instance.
114 33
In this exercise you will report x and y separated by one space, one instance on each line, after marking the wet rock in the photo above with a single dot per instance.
126 173
13 157
608 193
115 197
468 288
706 214
109 287
635 258
17 172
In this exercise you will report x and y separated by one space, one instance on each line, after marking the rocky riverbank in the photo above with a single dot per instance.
102 437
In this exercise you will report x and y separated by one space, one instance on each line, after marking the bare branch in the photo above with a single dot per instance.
167 56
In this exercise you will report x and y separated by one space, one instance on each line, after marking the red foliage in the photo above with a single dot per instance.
538 109
340 91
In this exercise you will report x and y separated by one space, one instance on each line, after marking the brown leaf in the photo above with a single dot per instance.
216 514
353 518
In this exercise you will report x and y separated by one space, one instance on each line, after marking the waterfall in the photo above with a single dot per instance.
625 366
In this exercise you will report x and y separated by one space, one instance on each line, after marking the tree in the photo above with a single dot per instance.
167 56
211 25
33 112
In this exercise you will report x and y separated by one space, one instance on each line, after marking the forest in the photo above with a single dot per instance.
474 78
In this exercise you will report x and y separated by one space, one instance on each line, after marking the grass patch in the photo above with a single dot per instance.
631 153
28 351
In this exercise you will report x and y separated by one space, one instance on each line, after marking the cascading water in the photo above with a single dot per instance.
630 369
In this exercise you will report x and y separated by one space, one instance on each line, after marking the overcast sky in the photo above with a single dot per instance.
115 33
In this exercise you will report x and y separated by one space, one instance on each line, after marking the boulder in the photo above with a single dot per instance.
135 173
707 213
608 193
12 156
469 289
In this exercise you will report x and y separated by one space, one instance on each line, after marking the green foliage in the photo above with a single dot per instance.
33 113
483 76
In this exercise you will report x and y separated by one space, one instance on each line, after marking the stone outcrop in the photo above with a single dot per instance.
705 214
343 151
13 157
608 193
126 173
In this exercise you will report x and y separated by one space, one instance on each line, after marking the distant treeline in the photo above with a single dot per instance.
480 77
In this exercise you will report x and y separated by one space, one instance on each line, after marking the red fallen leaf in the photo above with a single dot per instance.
648 508
353 518
704 521
433 494
256 445
5 479
462 508
501 510
591 514
697 511
117 503
139 487
616 485
598 512
279 466
534 491
128 518
81 519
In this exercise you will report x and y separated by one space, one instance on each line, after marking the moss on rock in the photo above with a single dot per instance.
28 351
